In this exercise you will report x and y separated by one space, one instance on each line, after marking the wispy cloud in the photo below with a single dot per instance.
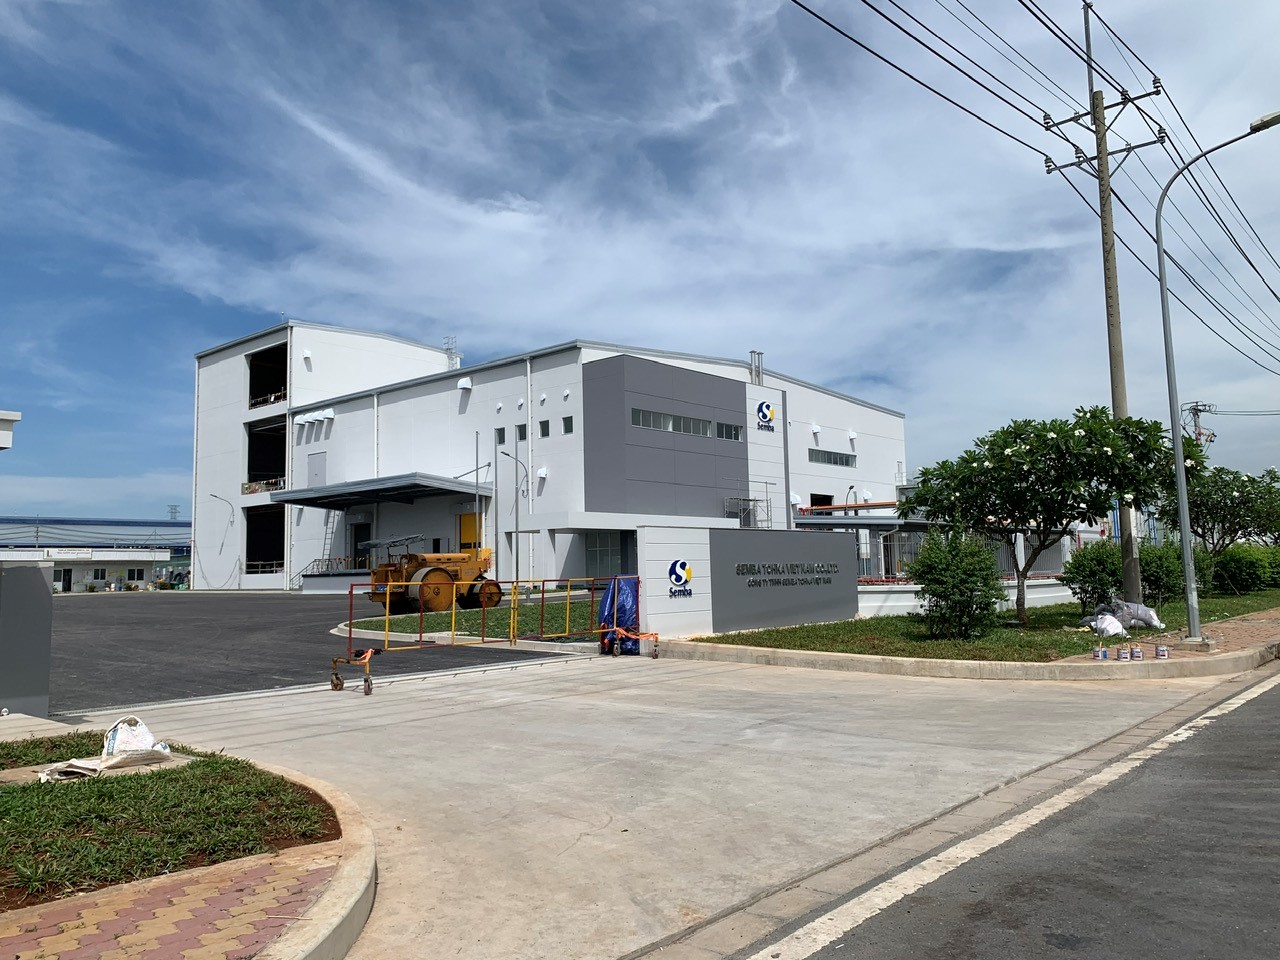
711 177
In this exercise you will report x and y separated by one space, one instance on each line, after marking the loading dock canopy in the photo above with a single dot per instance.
403 488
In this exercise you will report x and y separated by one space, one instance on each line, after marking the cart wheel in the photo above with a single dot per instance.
336 682
368 686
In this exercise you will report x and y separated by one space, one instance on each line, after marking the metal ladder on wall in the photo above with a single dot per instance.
330 528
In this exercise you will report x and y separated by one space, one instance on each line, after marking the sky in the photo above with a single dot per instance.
711 177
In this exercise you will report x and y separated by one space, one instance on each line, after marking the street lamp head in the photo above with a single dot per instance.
1263 122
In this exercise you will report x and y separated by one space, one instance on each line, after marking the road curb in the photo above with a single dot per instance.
1218 665
335 920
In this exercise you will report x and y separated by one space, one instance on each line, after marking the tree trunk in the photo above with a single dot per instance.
1022 595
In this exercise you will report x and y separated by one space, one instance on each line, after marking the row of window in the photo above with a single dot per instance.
133 574
832 458
522 430
675 423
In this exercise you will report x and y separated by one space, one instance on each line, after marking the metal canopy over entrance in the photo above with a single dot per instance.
403 488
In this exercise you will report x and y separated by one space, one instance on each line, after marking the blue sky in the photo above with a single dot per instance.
714 177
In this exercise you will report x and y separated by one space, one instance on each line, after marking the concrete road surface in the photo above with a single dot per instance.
1179 858
587 808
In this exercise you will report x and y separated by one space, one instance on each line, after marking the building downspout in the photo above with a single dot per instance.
528 406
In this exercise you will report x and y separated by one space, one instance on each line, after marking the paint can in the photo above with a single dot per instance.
1137 651
1122 652
1097 651
1162 652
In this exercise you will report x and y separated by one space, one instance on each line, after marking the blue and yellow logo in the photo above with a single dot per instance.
681 576
764 415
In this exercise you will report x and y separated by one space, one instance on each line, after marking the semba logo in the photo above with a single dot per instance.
681 576
764 416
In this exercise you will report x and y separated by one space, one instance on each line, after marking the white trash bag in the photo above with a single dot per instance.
127 744
1108 626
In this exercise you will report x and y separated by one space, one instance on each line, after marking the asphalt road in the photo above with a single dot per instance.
125 648
1178 859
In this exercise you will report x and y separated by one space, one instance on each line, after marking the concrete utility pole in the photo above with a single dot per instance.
1100 166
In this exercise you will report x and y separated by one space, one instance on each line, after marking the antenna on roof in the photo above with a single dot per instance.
451 351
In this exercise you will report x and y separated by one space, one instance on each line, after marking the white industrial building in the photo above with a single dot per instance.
311 441
89 554
7 419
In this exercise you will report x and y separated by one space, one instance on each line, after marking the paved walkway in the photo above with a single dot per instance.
225 912
580 810
1240 633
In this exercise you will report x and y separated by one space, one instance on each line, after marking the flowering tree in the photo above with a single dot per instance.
1038 477
1270 506
1226 506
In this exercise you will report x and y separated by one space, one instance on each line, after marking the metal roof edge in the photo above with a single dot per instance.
318 326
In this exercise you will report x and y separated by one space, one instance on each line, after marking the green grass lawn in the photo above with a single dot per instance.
529 617
63 838
33 751
1044 639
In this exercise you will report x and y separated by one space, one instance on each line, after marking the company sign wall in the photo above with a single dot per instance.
776 578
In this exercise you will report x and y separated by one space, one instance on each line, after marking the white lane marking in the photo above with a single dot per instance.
831 926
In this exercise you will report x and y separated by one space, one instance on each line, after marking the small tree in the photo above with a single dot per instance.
958 584
1162 578
1037 478
1094 573
1224 507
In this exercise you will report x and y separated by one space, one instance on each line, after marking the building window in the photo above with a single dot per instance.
135 574
604 553
832 458
671 423
728 431
522 432
566 424
99 573
500 435
544 428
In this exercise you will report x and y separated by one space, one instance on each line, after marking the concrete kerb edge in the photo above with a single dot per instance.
335 920
574 648
1218 665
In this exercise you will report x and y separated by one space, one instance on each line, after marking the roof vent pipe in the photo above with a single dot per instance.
757 367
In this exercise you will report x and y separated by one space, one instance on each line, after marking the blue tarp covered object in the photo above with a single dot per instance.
620 606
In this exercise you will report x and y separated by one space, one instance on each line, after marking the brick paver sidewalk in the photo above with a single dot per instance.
1239 633
231 910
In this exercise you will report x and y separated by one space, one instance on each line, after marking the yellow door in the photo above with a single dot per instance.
468 532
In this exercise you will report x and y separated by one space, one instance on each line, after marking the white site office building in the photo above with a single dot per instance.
311 441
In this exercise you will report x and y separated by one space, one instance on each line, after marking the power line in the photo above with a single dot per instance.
1116 37
957 50
1264 317
912 77
1173 293
1070 101
1061 35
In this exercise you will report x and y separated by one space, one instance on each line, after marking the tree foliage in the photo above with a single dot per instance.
1227 506
1039 477
1094 573
958 583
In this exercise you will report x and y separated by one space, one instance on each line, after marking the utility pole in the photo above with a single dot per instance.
1195 409
1100 166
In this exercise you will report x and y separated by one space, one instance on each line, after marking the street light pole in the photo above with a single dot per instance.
516 543
1175 419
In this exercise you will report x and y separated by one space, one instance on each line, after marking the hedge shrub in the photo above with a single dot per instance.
1094 572
1242 568
958 584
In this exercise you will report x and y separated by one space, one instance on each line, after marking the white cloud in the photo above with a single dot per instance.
709 177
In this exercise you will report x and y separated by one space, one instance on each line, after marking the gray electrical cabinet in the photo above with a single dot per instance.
26 631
